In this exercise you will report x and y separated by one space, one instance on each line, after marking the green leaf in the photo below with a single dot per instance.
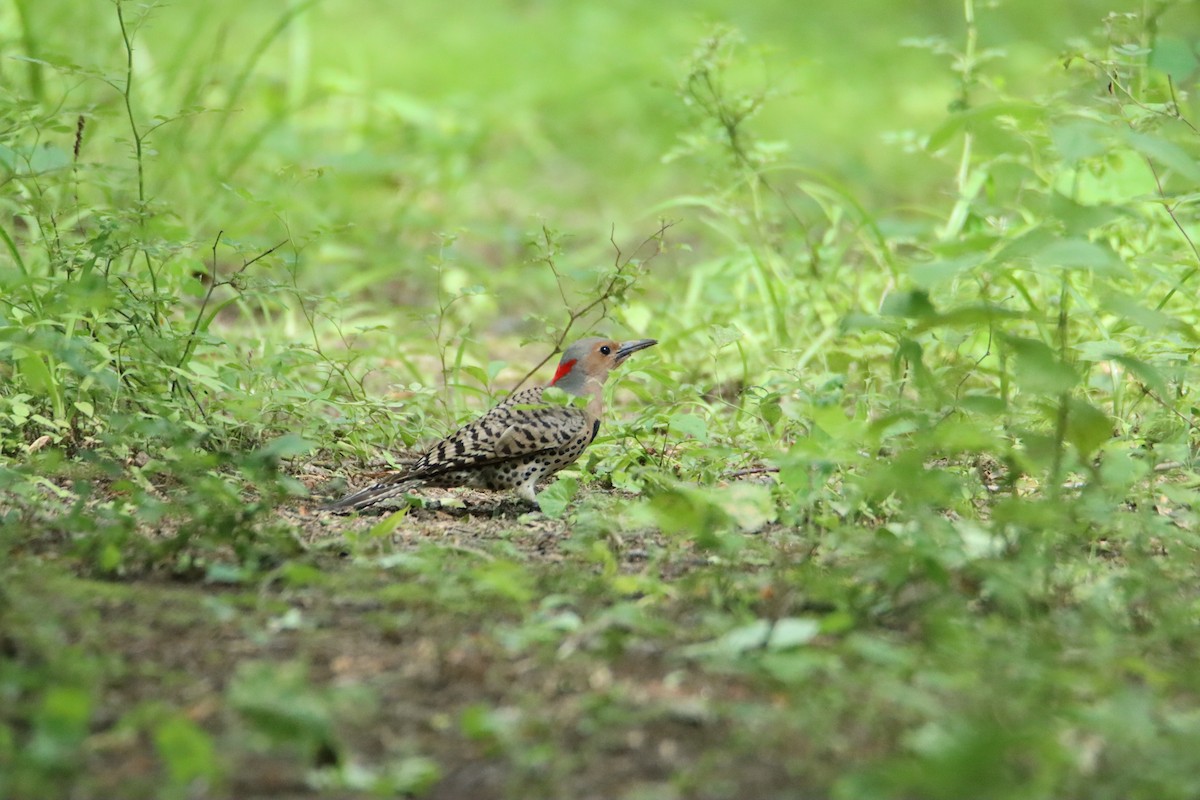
277 699
1151 319
287 446
1080 254
478 373
1145 373
770 408
689 425
1078 219
1165 153
494 368
412 776
60 725
738 640
694 513
968 316
792 632
934 273
1087 427
554 499
503 579
858 321
1081 139
1174 56
762 634
973 118
481 723
1039 369
388 525
39 377
187 751
749 505
911 304
988 405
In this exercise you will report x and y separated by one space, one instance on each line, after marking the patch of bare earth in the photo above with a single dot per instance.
592 720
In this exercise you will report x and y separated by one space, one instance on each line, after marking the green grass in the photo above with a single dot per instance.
902 506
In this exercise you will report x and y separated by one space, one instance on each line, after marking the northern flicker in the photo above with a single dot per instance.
519 441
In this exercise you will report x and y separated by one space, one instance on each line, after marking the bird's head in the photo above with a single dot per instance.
590 359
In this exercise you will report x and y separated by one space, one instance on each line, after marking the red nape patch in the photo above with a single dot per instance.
563 369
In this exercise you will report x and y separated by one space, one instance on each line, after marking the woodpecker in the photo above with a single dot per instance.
518 442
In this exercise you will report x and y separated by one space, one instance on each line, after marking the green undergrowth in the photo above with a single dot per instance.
902 504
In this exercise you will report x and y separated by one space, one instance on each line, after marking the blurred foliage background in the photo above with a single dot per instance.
393 123
912 475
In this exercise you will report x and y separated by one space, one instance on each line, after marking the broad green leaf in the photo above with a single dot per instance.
892 425
969 316
689 425
736 641
1081 139
1165 153
724 335
749 505
1087 427
1151 319
187 751
858 321
60 725
911 304
695 512
793 632
388 525
483 723
1174 56
770 408
1079 219
1039 369
1080 254
1098 350
554 499
278 700
832 421
1022 247
1144 372
201 374
479 374
762 634
988 405
287 446
503 579
493 369
933 273
37 375
411 776
973 118
911 356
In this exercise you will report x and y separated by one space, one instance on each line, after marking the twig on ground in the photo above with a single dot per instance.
741 473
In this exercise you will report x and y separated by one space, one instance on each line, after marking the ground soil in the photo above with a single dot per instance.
586 715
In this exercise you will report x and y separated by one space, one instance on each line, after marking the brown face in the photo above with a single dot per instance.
604 354
599 356
594 357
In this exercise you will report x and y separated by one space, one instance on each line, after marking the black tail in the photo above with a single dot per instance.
371 496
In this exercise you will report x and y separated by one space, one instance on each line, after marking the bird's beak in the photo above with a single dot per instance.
626 349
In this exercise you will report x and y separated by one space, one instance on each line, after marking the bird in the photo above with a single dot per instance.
519 441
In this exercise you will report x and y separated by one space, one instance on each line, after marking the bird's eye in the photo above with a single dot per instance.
605 350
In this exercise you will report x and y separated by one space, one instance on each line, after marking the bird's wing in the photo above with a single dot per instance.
505 432
510 430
